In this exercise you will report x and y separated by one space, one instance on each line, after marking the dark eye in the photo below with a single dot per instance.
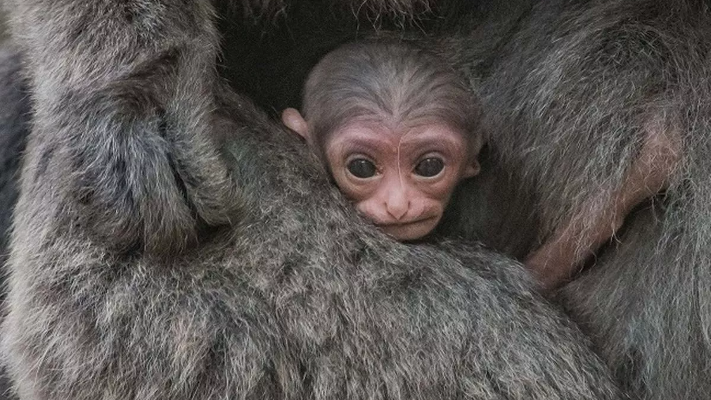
429 167
361 168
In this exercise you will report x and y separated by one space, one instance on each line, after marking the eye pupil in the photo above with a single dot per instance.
361 168
429 167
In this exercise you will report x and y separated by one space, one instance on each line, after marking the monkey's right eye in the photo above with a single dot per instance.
361 168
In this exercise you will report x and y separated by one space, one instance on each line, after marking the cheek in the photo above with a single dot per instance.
355 193
427 205
437 192
370 208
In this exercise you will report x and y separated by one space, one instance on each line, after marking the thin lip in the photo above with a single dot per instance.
400 223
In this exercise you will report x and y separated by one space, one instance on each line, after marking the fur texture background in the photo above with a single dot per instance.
172 242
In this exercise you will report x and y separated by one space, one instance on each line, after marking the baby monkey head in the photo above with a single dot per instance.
396 126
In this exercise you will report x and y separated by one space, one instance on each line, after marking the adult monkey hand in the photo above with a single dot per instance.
562 255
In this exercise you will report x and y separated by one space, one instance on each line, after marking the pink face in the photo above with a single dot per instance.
399 177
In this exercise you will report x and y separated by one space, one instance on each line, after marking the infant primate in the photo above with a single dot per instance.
397 129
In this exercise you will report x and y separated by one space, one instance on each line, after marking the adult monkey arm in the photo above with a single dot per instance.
118 170
128 89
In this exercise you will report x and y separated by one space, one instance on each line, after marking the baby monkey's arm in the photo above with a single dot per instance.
561 256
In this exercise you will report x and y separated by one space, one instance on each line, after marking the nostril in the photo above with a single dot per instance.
397 209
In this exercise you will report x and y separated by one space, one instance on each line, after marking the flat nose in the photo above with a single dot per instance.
397 203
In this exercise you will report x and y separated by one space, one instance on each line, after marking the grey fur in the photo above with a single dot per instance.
170 242
571 86
14 119
572 90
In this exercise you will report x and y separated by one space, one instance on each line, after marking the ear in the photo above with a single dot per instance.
472 169
292 118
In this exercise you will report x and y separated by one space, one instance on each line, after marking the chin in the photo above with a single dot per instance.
411 231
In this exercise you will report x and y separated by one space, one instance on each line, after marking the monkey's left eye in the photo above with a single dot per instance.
429 167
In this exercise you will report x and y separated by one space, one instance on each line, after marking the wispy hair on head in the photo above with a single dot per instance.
392 81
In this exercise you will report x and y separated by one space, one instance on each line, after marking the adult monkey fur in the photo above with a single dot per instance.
14 116
577 87
171 242
627 67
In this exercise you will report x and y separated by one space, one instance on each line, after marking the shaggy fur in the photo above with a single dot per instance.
14 117
572 91
170 242
165 249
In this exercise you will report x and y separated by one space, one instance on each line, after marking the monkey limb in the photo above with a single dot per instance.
560 257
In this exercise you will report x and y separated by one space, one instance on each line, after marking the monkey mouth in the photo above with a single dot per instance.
410 230
396 224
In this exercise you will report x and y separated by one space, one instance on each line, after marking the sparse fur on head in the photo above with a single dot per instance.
392 81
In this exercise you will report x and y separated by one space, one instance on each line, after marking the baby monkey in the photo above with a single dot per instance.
397 129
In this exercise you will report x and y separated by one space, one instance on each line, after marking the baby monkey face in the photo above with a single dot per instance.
399 177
